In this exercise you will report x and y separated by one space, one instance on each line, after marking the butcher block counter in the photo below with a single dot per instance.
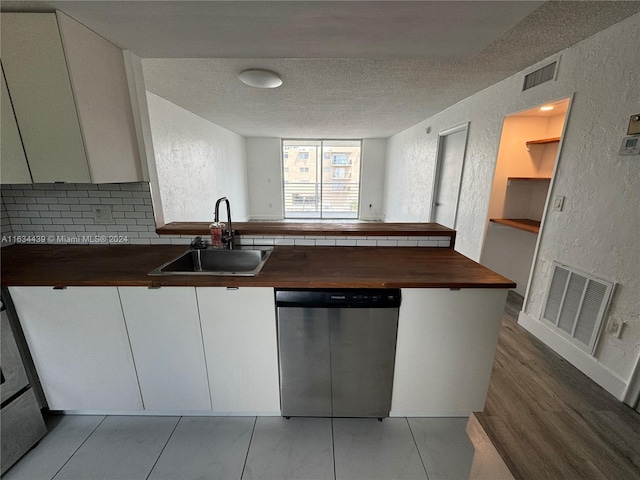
104 343
288 266
314 228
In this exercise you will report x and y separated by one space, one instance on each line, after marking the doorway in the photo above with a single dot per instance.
527 157
452 146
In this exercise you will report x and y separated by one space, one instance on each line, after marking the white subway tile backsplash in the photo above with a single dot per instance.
387 243
366 243
427 243
407 243
346 243
325 243
284 241
63 213
304 242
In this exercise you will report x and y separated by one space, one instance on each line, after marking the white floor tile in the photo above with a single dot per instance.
66 435
368 449
446 451
205 448
298 448
121 447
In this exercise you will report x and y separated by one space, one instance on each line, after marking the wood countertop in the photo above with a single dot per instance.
288 267
314 228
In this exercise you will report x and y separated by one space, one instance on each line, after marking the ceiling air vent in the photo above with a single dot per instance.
576 303
539 76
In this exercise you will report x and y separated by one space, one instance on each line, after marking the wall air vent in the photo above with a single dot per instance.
576 303
540 76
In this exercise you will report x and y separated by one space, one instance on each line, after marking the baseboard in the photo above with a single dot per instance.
587 364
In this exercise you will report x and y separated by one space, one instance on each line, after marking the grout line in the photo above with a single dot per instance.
333 448
79 447
417 448
164 447
255 420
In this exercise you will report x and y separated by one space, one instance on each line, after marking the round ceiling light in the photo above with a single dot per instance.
260 78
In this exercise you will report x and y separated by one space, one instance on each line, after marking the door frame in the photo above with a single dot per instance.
438 169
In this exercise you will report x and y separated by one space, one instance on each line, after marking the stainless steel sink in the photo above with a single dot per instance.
238 262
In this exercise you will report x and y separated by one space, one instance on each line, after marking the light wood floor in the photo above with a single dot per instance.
548 420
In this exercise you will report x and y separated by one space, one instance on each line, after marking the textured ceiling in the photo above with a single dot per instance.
350 69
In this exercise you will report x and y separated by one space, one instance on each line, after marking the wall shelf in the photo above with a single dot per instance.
543 141
530 178
531 226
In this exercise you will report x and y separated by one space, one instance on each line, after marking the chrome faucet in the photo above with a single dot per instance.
228 238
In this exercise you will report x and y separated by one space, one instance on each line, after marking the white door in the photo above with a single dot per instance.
452 145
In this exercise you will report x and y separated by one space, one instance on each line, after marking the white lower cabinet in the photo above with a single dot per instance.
78 340
445 349
239 333
164 330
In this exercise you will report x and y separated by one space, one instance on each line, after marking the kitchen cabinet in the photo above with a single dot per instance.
79 344
239 336
166 341
71 100
445 349
14 161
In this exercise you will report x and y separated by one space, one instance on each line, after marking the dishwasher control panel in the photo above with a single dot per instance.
330 298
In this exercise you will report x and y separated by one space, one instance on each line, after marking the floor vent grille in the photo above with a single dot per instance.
576 303
540 76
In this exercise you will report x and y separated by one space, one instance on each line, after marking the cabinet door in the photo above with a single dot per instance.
14 162
101 90
36 72
445 350
164 330
79 344
239 333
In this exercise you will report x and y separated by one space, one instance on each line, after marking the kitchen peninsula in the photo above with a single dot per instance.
106 338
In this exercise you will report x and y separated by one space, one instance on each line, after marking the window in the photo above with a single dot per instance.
339 173
340 159
329 187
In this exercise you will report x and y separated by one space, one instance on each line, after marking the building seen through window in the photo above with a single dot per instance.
326 182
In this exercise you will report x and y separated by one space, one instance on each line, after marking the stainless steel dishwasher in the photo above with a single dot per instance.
337 351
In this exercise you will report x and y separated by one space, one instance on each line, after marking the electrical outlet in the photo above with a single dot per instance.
615 327
558 203
102 214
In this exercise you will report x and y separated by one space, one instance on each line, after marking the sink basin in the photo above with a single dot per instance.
239 262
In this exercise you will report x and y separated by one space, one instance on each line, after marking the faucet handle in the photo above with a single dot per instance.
198 243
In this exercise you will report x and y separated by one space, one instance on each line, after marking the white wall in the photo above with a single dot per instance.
211 160
598 230
372 178
264 178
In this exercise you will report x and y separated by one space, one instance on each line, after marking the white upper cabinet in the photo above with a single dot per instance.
71 100
38 81
14 162
99 81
